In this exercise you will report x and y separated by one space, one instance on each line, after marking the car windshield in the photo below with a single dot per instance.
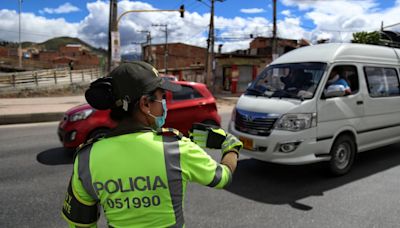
295 80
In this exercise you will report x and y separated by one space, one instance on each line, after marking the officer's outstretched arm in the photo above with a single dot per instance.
79 209
211 137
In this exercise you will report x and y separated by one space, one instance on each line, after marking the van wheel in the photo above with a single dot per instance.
343 153
98 133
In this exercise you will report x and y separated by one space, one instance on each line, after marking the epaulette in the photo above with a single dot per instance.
86 144
169 131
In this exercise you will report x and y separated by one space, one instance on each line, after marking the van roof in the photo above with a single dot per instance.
336 52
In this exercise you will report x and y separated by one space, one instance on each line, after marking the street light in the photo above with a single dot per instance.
19 36
114 33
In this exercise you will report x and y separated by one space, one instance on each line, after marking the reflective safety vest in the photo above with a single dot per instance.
139 179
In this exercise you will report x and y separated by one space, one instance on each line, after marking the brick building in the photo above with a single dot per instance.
237 69
184 60
75 53
3 52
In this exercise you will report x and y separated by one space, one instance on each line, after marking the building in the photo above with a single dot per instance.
235 70
70 55
183 60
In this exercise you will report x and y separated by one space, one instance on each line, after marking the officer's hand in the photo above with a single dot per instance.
231 143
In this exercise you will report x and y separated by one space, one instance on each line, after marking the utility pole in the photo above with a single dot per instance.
148 42
210 55
274 38
145 53
19 37
165 46
113 36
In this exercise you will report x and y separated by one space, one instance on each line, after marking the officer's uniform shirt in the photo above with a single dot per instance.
139 179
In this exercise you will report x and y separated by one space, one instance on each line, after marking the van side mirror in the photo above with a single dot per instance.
334 91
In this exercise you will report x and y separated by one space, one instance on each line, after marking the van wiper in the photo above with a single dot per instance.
258 92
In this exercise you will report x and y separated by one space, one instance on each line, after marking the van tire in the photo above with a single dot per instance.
342 153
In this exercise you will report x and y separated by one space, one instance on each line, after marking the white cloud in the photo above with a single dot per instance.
233 33
337 20
252 10
287 13
64 8
34 28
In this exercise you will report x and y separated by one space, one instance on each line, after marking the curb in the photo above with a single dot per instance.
30 118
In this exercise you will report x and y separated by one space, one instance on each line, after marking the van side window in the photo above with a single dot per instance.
382 82
346 73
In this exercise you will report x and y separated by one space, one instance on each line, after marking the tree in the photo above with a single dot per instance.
366 38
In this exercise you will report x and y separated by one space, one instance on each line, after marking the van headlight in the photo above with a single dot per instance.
296 121
81 115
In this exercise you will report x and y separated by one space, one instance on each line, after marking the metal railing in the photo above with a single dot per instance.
47 78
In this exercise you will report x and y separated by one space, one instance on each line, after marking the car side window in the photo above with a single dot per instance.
382 82
186 93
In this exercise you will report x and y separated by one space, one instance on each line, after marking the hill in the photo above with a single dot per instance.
54 44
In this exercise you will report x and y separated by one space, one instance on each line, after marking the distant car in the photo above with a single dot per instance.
169 77
194 103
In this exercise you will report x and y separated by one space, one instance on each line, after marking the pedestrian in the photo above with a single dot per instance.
139 172
71 65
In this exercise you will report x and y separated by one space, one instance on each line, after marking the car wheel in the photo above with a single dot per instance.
98 133
342 154
210 122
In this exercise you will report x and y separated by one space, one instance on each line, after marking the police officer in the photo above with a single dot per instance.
139 172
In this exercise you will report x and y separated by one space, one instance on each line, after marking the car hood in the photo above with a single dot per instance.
274 105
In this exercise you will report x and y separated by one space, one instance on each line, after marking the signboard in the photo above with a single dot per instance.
115 47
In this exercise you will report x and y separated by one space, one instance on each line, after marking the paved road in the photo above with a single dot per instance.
34 171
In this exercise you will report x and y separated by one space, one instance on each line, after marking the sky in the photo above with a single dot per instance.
235 20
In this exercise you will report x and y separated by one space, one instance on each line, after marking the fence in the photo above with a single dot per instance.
47 78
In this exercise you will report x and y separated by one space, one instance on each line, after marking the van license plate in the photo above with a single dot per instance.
247 143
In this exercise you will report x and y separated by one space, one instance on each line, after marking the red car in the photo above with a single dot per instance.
194 103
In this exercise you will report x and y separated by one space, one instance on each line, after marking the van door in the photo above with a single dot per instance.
335 113
382 106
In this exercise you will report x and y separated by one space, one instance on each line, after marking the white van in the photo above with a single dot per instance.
321 103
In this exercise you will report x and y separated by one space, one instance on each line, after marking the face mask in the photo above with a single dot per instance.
160 120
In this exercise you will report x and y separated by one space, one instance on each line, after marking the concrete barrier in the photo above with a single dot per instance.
31 118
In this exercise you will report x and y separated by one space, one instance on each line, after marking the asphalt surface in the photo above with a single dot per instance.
34 171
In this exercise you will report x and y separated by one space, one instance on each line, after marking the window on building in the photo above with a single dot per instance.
382 82
186 93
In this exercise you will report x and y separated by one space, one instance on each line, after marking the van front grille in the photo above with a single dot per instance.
255 123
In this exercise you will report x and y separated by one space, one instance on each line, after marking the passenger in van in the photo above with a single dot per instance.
336 80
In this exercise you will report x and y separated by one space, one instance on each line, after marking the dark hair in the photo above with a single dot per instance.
118 113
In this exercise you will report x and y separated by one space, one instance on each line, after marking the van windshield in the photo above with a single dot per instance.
295 80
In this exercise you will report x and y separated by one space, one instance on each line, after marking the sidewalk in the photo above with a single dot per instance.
42 109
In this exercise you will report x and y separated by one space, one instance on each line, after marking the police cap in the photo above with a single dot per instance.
127 82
